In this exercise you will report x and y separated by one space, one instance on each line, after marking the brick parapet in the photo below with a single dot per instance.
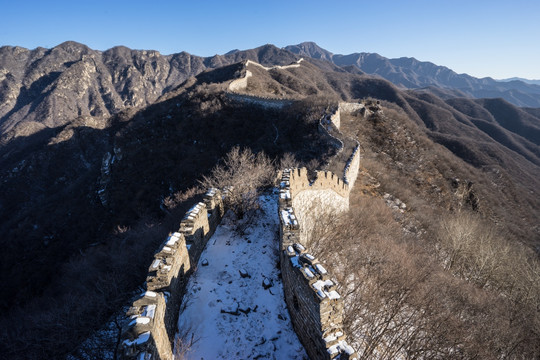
152 319
315 306
298 181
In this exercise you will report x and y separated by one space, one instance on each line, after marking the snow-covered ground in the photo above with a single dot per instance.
235 307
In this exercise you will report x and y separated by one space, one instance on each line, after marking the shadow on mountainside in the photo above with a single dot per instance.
72 256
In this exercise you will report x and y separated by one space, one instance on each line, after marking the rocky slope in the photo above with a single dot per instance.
45 88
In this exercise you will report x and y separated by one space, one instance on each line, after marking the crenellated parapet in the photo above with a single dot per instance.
315 306
152 319
144 336
324 180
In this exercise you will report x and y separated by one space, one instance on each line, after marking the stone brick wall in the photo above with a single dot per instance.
240 84
281 67
335 118
298 182
352 166
152 325
351 107
311 200
327 127
316 308
259 100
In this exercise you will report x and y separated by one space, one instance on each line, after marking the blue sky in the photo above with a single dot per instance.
479 37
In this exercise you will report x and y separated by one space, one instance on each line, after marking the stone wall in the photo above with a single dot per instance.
351 107
270 103
316 308
327 127
324 196
152 325
240 84
281 67
347 107
351 167
335 118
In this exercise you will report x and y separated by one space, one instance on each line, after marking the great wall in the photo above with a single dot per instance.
315 307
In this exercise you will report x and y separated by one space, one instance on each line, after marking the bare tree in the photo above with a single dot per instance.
288 161
241 175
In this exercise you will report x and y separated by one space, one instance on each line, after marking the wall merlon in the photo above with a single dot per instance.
213 200
142 332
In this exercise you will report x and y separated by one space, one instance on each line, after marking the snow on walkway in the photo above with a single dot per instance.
235 305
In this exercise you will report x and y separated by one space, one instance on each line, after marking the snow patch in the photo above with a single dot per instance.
144 337
228 313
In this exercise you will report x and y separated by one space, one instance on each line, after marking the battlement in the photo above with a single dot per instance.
298 182
149 332
315 306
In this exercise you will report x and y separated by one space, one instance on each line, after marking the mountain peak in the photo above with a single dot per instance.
310 49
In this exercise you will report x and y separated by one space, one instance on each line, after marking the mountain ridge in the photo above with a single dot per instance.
529 81
43 87
410 73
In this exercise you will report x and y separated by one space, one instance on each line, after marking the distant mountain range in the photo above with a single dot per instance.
410 73
528 81
43 88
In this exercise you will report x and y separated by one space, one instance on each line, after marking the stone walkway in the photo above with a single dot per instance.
235 307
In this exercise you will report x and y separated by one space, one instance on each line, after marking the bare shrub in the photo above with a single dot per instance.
473 249
288 161
183 343
242 175
400 303
179 197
